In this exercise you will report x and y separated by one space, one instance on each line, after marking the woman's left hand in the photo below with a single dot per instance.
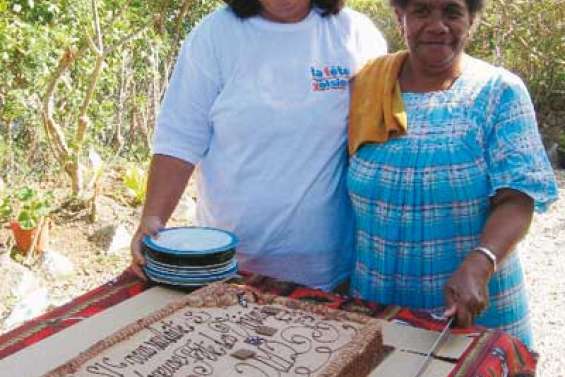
466 292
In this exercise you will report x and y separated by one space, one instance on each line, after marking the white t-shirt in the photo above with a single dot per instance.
261 109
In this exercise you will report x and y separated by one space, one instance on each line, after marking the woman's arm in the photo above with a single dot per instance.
167 180
466 292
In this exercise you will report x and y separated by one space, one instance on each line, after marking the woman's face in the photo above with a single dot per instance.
286 11
435 31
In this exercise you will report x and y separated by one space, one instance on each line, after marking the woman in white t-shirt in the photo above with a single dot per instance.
258 103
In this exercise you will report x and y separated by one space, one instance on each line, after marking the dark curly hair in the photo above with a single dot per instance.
249 8
474 6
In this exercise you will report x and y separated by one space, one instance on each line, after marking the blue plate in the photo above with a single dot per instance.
188 280
150 259
181 271
189 284
192 241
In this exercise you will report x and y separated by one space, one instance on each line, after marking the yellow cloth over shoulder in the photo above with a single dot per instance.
376 111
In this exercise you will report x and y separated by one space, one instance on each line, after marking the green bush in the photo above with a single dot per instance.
525 36
26 206
135 183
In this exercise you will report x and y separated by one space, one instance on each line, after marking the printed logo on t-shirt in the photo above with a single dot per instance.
333 77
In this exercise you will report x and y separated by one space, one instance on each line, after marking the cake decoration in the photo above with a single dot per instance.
265 330
243 354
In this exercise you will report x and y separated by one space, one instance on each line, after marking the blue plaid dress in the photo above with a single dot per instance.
421 200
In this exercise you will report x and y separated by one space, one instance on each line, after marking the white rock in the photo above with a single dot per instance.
112 238
28 283
17 281
121 240
57 265
29 307
95 159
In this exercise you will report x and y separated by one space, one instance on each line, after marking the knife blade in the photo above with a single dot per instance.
437 343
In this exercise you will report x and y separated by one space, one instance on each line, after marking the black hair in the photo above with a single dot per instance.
249 8
474 6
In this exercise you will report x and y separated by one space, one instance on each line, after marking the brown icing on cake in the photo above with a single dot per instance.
200 334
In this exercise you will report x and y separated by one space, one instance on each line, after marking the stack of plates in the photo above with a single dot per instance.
190 256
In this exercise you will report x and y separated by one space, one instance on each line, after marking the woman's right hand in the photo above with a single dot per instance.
148 226
466 291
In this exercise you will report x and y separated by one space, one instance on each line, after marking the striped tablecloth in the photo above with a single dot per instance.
491 354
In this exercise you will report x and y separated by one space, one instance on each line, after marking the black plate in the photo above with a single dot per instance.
190 260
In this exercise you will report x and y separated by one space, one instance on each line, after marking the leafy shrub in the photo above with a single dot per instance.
5 209
26 206
135 183
527 37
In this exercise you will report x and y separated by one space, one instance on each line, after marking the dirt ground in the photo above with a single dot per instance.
543 257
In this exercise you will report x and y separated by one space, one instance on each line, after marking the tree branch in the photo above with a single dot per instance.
178 25
83 120
124 40
53 129
92 45
98 31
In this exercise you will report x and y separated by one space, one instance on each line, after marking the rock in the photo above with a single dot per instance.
57 265
95 160
32 305
17 281
120 241
112 238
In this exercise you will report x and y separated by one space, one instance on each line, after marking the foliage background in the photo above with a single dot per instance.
525 36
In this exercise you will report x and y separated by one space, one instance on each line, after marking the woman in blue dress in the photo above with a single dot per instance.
441 209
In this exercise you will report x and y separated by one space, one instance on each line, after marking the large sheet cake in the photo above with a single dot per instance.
227 330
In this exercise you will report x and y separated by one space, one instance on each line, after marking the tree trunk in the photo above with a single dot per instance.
74 171
117 138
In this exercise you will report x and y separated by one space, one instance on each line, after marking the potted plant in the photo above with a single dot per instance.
561 150
27 211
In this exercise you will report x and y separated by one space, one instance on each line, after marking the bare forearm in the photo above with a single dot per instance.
466 292
167 180
508 222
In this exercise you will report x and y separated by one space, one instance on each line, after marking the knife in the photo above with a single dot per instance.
438 342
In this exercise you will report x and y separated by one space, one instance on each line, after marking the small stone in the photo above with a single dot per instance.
243 354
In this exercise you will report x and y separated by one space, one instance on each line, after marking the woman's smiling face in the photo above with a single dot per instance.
435 31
